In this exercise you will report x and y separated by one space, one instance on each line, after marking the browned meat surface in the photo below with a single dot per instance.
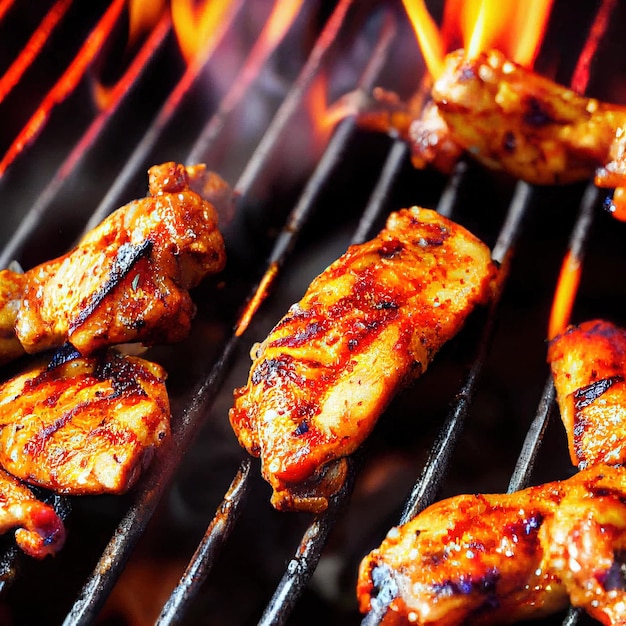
613 174
128 279
39 530
588 363
85 426
12 286
511 118
369 324
495 559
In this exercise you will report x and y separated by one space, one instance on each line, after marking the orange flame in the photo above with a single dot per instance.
142 17
195 23
565 294
515 28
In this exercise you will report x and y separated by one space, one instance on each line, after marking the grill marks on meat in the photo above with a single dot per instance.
40 531
87 426
128 280
369 324
500 558
588 362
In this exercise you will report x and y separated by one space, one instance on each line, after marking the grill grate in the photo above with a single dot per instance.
290 229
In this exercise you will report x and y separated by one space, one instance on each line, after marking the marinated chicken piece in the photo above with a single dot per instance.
367 326
86 425
613 174
128 279
417 123
588 363
12 285
509 118
500 558
40 531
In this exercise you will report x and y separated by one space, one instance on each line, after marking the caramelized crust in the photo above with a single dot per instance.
509 118
128 279
495 559
613 174
85 426
40 531
369 324
588 363
12 286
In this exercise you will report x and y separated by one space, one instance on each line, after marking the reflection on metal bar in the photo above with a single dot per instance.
214 539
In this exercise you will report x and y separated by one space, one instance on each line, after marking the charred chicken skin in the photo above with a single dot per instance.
87 425
39 530
508 117
500 558
369 324
129 278
588 363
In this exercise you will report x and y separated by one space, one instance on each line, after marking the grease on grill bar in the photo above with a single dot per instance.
301 197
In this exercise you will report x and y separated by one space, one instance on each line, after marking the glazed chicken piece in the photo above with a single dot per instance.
588 363
128 279
613 175
86 425
369 324
508 117
39 530
501 558
12 285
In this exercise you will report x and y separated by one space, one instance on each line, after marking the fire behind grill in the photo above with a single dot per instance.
300 202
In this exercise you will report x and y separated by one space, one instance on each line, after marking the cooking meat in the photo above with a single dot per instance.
12 286
39 530
613 174
511 118
83 425
494 559
369 324
588 364
128 279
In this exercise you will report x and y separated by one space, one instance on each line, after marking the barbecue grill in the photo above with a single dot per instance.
196 541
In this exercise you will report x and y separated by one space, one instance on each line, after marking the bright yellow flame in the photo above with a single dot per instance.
142 17
565 294
194 23
428 35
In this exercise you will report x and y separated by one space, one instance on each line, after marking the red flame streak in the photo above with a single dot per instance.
33 47
65 85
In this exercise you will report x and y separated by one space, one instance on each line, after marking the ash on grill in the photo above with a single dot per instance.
302 195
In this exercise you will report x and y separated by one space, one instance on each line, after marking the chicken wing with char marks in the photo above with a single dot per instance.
129 278
39 530
369 324
508 117
588 362
86 425
500 558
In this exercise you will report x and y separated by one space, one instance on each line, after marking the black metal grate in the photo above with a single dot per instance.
461 427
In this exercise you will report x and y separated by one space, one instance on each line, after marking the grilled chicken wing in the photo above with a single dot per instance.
86 425
370 323
510 118
588 363
613 174
494 559
12 285
128 279
40 531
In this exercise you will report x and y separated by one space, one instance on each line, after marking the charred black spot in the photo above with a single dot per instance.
615 579
119 371
536 115
390 249
270 368
467 73
510 143
465 585
352 344
302 428
586 395
386 305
